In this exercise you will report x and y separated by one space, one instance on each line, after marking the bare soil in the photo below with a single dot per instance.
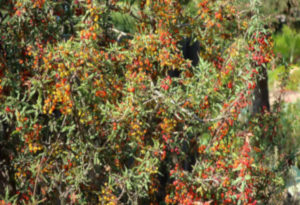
287 96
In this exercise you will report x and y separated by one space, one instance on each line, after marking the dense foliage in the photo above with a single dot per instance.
89 114
287 44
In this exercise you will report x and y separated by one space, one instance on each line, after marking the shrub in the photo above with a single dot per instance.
89 119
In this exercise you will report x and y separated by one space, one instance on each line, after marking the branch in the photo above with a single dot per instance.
121 34
192 115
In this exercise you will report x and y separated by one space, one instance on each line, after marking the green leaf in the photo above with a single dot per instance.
239 179
247 177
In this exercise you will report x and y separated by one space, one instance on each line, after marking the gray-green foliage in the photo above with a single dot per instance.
274 6
124 22
270 7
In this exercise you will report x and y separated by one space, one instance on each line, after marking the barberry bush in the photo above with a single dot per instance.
90 115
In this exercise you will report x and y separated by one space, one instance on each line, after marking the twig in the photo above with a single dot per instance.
121 34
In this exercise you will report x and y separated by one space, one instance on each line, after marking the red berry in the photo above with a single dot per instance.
7 109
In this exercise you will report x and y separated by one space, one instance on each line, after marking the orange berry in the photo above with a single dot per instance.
131 89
